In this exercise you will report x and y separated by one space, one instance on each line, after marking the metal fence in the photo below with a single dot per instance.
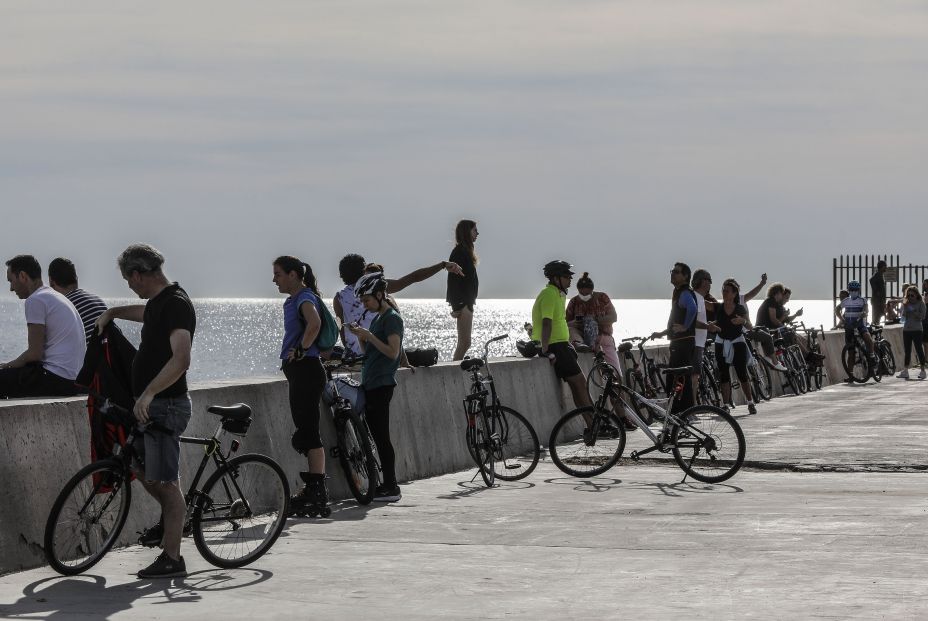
861 267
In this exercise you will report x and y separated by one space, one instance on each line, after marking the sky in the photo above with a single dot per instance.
744 137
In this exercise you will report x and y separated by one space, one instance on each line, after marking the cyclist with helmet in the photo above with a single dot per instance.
549 327
305 376
854 314
382 345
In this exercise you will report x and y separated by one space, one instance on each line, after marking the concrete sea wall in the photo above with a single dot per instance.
45 441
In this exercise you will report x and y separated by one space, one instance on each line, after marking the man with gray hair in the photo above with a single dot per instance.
159 384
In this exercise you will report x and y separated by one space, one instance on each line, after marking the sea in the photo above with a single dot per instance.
239 338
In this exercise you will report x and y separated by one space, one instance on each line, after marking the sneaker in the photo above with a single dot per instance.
165 567
778 367
387 494
151 537
752 409
904 374
921 374
726 409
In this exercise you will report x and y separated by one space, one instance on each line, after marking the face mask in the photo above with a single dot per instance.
854 294
586 298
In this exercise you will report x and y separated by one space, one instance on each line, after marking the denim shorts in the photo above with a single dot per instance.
159 451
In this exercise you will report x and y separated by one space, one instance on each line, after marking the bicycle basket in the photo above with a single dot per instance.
348 388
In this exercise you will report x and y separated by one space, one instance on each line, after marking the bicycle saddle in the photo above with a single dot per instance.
624 347
678 371
471 363
239 411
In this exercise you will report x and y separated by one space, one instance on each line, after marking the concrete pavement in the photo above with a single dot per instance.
842 537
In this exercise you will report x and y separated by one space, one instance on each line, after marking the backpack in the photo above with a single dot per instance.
328 329
422 357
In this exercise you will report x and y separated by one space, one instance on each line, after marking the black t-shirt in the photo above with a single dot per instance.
168 311
462 290
763 313
729 331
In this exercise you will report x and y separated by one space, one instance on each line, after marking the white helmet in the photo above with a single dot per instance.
369 284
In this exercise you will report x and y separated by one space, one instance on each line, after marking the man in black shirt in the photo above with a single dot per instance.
878 292
159 384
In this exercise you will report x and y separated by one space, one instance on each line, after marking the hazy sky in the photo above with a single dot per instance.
739 136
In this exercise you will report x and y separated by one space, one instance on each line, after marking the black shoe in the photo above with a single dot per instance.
387 494
752 409
165 567
151 537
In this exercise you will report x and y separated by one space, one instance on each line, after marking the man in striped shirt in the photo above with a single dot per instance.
62 277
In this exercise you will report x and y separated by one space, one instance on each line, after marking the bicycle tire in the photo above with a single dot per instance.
596 379
888 358
356 456
787 361
518 450
92 491
709 387
819 375
656 377
229 498
572 445
860 370
714 431
760 379
483 447
799 365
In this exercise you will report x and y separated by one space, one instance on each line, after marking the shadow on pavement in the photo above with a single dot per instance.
599 484
472 488
90 596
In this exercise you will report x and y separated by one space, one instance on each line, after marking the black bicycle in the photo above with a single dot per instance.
708 391
235 517
758 369
815 369
644 374
857 361
500 440
355 450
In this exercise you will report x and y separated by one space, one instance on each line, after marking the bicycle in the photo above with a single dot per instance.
644 372
884 351
498 437
706 442
790 356
708 390
858 363
235 517
758 370
355 449
816 373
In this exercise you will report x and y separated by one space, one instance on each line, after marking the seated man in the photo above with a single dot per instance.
62 277
56 347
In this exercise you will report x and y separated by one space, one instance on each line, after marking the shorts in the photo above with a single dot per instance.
159 451
850 329
457 306
565 360
698 353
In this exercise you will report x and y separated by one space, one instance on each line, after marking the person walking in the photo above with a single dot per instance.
913 310
159 384
462 292
590 315
730 348
302 366
382 345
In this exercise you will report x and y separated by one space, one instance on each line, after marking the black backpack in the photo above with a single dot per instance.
422 357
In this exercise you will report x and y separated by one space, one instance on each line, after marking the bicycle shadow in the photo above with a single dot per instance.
60 597
592 484
472 488
678 489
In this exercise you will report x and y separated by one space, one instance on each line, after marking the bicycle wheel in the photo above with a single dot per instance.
87 517
357 458
859 371
656 377
760 378
517 450
241 511
818 376
597 378
790 373
799 367
483 446
709 387
887 358
710 445
587 442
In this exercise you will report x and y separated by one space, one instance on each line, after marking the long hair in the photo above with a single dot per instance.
462 237
303 270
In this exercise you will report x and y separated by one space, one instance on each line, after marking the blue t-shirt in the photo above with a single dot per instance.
294 325
379 370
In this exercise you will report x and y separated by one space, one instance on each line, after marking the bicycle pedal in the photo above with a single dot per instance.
634 456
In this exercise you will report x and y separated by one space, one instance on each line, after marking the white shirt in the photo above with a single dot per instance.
353 311
701 333
64 348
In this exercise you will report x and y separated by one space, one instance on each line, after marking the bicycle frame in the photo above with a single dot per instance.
613 392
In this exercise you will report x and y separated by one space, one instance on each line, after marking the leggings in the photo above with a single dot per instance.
306 378
910 337
740 363
378 420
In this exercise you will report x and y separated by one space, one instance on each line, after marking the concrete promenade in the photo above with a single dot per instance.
830 523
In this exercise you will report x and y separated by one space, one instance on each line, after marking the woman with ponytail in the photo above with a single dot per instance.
305 376
462 291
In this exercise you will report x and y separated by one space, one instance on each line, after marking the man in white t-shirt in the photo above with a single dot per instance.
56 347
702 282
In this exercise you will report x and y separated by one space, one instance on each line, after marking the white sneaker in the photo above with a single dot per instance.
904 374
922 374
779 367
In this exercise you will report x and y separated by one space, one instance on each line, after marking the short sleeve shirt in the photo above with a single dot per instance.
763 313
379 370
550 304
294 325
170 310
727 330
89 307
63 351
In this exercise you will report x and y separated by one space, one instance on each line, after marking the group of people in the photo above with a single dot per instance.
62 319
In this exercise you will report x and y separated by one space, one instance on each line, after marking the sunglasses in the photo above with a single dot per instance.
676 271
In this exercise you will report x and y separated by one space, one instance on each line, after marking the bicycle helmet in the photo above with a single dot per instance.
528 349
853 286
369 284
558 268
